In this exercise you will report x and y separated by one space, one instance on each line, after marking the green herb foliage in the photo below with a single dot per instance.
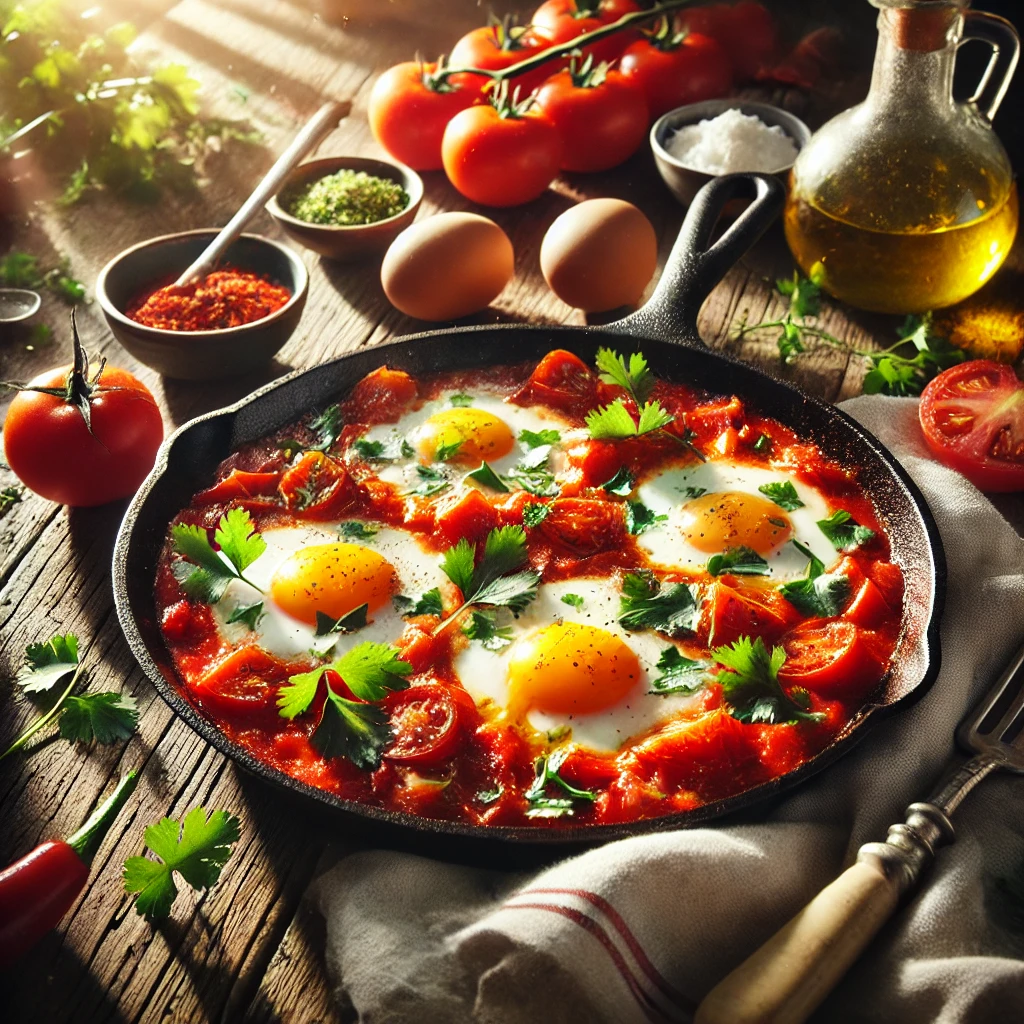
356 530
741 561
327 427
347 623
646 603
47 663
461 401
573 600
428 603
615 422
250 614
763 444
679 674
371 451
546 775
103 717
538 438
196 849
432 481
750 684
634 376
500 578
483 626
488 478
689 493
347 198
639 517
22 270
535 514
783 494
844 532
9 496
447 450
819 593
202 573
621 484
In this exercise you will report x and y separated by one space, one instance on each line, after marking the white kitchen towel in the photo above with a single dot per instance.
640 929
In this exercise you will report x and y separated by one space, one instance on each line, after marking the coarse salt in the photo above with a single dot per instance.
730 143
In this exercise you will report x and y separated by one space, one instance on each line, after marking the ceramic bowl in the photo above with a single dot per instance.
200 355
684 182
347 242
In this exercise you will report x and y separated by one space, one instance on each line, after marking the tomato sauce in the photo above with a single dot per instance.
451 759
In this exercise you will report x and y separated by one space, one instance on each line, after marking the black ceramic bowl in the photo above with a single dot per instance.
200 355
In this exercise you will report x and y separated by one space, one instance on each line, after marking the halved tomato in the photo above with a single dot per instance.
318 486
380 397
562 381
425 720
244 684
972 416
830 658
735 611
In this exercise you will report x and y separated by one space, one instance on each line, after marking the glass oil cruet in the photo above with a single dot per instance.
908 199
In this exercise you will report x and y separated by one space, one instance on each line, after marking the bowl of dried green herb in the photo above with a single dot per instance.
347 207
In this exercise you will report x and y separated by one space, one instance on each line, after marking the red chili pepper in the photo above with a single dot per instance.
38 890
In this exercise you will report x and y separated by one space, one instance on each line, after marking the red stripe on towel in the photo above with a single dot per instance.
650 1009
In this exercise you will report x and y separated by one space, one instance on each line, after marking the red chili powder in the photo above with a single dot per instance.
225 298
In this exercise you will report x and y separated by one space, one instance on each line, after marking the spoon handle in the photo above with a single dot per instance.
323 121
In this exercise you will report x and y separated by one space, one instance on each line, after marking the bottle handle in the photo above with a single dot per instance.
1005 43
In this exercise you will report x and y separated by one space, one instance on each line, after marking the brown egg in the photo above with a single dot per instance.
599 255
447 266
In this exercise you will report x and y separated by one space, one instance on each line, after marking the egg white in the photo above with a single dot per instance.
664 495
483 673
402 471
279 633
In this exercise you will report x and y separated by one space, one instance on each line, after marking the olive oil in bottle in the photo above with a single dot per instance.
908 200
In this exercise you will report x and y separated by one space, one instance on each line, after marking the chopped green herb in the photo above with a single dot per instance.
819 593
546 769
202 573
615 422
499 579
488 796
647 604
483 474
357 530
763 444
621 484
639 517
359 732
9 496
347 623
428 603
432 481
538 438
689 493
844 532
751 684
250 614
372 451
535 514
46 664
327 427
741 561
783 494
461 401
347 198
447 450
197 849
679 674
573 600
483 626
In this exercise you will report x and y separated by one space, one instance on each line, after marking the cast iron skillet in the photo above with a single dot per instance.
665 329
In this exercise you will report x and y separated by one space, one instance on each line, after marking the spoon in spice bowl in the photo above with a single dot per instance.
323 121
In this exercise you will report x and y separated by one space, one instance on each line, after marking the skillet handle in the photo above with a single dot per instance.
694 268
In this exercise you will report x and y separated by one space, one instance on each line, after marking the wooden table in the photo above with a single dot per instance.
250 949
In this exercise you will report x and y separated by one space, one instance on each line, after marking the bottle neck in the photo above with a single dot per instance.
914 59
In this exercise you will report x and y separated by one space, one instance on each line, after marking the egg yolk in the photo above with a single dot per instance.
731 519
332 578
480 436
569 668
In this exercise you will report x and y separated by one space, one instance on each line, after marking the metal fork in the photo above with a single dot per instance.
788 977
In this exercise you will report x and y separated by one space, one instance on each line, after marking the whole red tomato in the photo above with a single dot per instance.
745 30
562 20
675 69
972 416
600 115
501 154
409 107
91 443
500 45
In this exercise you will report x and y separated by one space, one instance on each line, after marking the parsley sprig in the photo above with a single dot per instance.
202 573
751 687
546 774
904 368
646 603
196 849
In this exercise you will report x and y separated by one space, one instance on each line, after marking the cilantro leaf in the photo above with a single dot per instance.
203 574
428 603
621 484
500 578
297 694
763 444
538 438
358 732
535 514
639 517
347 623
486 476
483 626
371 451
103 717
458 563
488 796
447 450
751 685
783 494
844 531
611 423
546 774
250 614
653 417
327 427
372 671
573 600
740 561
636 377
679 674
538 482
820 594
197 850
535 458
461 401
46 664
689 493
645 603
356 530
432 481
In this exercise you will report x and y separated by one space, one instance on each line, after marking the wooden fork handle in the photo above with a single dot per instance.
785 980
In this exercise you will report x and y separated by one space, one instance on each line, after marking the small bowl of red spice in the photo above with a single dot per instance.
227 323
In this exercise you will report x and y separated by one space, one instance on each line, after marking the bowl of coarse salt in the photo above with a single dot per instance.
701 141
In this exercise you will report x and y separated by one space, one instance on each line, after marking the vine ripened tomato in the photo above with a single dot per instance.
501 159
601 118
562 20
672 71
82 441
972 416
500 46
409 107
745 30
